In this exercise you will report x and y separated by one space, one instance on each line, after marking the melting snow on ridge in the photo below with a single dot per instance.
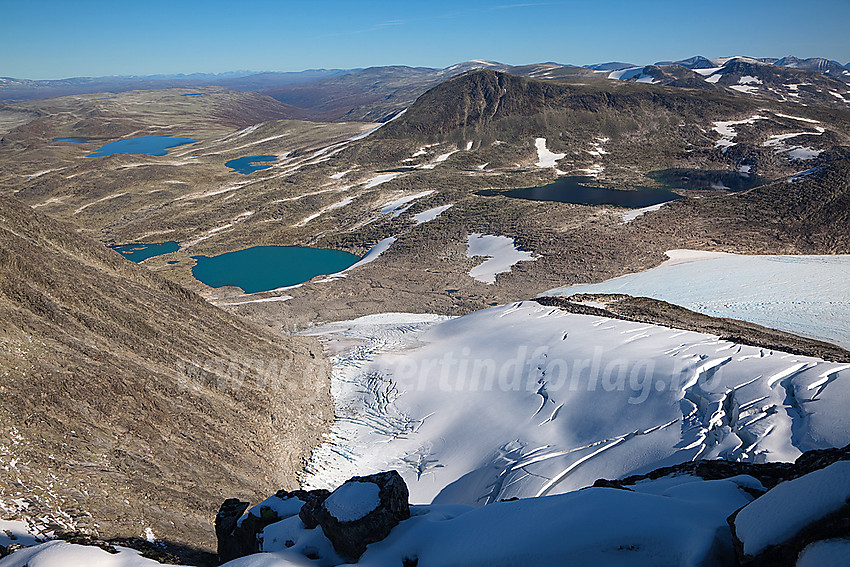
807 295
501 254
524 400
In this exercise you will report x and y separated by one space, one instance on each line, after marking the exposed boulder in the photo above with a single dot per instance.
311 505
361 511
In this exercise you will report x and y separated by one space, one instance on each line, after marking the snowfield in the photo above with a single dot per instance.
806 295
524 400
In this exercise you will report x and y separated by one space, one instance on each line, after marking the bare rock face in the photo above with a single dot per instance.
362 511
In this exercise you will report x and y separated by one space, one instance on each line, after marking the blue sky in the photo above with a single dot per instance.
53 39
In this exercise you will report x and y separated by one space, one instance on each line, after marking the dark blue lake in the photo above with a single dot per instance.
707 179
139 252
193 94
71 140
149 145
263 268
249 164
572 189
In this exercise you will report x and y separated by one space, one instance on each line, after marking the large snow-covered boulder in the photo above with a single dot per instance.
773 529
362 511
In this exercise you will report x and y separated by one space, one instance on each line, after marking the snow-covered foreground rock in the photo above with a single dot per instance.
806 295
784 511
63 554
524 400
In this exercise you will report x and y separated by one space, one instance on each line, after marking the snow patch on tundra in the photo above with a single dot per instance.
382 178
501 253
545 158
629 216
400 205
431 214
726 129
374 253
666 522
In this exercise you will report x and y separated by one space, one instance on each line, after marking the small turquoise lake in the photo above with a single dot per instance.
263 268
71 140
138 252
148 145
250 164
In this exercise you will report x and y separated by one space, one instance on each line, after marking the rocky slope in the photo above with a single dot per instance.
119 387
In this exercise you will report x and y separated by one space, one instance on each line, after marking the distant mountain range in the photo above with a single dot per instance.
379 93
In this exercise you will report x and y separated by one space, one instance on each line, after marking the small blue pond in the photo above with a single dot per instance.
249 164
139 252
193 94
71 140
263 268
149 145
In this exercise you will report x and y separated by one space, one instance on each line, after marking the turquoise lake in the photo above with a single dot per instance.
138 252
71 140
148 145
572 189
263 268
249 164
